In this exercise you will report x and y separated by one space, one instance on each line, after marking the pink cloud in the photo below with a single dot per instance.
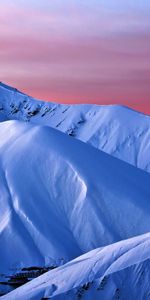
78 59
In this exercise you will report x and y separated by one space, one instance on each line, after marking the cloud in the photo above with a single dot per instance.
83 52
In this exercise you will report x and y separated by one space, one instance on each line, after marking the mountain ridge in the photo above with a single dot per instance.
113 272
117 130
9 87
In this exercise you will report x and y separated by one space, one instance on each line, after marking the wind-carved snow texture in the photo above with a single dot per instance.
61 198
117 130
117 271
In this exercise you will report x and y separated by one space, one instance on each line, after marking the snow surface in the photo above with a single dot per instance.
117 271
117 130
60 197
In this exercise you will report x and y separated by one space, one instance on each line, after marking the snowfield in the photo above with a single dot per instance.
117 130
60 197
73 196
117 271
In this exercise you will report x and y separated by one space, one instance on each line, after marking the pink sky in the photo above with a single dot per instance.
81 53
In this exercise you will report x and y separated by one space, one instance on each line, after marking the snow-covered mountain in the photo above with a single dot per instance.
60 197
117 130
117 271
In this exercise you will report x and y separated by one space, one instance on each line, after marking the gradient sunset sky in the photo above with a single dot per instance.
78 51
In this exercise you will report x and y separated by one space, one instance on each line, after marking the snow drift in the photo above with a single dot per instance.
60 198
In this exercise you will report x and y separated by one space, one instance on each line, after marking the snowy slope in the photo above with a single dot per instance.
60 197
117 271
117 130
